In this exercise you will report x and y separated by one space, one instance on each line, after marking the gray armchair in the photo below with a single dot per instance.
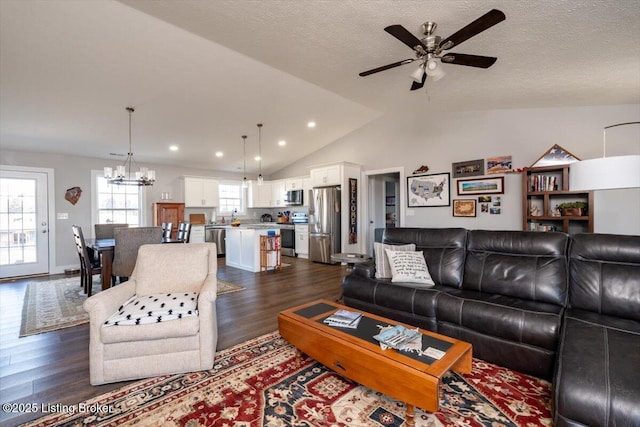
127 243
188 344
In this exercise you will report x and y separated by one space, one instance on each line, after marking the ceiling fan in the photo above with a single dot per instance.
429 50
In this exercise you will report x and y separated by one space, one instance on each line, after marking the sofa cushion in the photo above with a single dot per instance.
443 248
409 267
519 320
526 265
597 379
604 275
155 308
383 269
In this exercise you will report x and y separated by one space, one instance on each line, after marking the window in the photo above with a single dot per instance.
230 195
116 203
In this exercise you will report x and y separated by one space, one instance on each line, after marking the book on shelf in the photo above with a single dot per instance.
344 319
543 183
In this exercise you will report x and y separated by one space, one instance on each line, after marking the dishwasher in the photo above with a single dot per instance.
216 234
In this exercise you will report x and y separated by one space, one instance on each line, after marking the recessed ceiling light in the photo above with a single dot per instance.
311 124
282 143
173 148
256 158
219 154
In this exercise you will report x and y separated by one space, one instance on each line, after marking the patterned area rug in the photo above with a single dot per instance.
258 383
57 304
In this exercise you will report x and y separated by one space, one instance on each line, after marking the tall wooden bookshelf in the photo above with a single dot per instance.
543 189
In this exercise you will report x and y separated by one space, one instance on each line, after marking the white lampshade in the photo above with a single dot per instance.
418 73
434 70
606 173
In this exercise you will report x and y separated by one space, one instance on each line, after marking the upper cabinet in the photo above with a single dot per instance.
328 175
259 196
291 184
278 193
200 192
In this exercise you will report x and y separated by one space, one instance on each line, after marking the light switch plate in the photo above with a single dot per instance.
62 215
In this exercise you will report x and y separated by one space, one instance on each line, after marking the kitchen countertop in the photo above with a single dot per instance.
256 225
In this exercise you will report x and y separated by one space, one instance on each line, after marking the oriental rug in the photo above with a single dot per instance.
258 383
57 304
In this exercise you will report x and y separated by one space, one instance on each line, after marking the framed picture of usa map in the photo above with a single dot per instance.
425 191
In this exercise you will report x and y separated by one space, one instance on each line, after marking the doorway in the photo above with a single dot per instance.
24 222
385 204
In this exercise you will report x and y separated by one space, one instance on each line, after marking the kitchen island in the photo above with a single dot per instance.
243 245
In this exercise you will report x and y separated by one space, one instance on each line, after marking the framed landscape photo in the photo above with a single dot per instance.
501 164
481 186
464 207
429 190
470 168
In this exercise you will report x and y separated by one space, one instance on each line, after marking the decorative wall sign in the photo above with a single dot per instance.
500 164
481 186
555 155
353 211
429 190
73 195
464 207
469 168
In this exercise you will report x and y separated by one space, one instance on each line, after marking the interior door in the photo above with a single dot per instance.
24 227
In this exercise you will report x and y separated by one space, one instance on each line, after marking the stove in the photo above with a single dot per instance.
299 218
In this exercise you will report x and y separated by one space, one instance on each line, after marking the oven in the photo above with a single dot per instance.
288 240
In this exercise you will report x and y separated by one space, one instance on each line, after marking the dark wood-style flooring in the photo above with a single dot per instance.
53 367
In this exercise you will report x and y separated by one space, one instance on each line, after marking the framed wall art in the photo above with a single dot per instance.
481 186
464 207
469 168
429 190
501 164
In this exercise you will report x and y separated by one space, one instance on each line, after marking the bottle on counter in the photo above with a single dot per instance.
222 220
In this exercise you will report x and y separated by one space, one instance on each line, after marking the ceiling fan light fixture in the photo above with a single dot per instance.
434 70
418 73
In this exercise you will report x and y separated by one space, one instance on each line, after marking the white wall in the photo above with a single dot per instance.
410 140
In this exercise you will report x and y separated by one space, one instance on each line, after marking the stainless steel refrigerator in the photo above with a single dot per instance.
324 224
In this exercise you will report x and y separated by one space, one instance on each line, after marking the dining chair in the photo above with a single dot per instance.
127 243
88 264
167 229
184 232
105 231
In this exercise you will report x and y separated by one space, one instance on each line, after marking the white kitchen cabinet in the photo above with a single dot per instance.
259 196
200 192
328 175
243 247
291 184
302 240
278 193
306 195
197 234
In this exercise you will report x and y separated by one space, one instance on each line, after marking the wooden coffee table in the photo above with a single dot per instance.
355 354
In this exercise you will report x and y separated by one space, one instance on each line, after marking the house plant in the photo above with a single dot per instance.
573 208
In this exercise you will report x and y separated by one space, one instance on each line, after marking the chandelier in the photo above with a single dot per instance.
123 174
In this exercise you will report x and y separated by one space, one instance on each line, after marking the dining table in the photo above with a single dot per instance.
105 249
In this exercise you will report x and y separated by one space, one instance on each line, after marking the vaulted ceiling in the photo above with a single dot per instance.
202 73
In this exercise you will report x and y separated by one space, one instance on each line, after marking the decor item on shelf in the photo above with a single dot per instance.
244 161
573 208
260 179
606 173
429 51
555 155
123 174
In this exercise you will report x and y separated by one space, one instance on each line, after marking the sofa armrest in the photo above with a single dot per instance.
365 270
102 305
209 291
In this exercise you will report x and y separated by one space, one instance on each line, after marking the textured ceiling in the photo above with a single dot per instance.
202 73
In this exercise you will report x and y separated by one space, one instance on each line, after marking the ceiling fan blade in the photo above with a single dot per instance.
485 22
386 67
469 60
402 34
416 86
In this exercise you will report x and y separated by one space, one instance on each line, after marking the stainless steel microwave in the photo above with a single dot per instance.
294 198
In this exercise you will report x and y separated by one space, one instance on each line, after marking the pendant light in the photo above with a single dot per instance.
123 175
244 161
260 179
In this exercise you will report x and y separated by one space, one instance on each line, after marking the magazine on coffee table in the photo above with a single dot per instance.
399 337
344 319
